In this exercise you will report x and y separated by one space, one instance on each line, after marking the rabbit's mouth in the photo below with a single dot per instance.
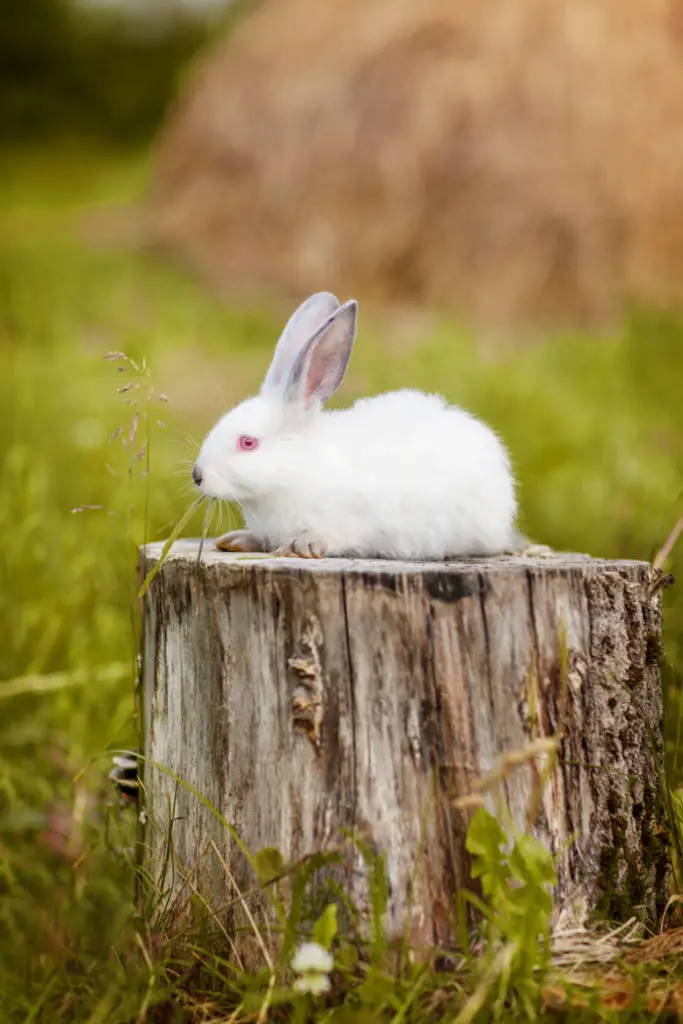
210 483
217 485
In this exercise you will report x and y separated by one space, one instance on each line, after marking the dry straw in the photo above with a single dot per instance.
516 160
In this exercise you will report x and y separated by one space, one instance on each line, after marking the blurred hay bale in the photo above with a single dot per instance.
518 160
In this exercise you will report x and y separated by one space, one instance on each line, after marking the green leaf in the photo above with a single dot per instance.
252 1002
269 863
485 839
378 990
485 836
530 862
326 926
346 957
351 1015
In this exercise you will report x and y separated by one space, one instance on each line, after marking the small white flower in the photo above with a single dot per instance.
310 956
316 984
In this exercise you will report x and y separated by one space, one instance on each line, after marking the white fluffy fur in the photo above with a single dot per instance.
402 475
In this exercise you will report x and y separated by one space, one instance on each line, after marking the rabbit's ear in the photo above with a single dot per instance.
299 328
320 366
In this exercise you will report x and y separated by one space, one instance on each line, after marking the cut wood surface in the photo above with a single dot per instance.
304 698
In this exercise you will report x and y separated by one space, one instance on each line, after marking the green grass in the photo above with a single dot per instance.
596 431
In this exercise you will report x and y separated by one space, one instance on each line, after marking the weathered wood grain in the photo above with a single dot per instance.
302 698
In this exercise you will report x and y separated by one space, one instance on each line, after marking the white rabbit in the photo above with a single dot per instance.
402 475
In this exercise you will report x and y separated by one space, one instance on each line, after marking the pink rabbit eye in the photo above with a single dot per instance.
246 443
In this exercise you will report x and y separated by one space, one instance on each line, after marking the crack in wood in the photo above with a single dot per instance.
352 695
487 656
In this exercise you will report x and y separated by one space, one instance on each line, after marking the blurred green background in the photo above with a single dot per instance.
594 425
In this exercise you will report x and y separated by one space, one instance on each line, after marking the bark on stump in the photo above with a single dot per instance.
302 698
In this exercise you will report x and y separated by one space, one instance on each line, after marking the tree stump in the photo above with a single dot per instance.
303 698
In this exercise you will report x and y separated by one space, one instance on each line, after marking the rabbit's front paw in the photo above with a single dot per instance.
538 551
239 540
302 547
530 550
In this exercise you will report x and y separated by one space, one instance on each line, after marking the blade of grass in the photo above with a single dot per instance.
205 530
175 533
669 545
23 685
205 803
42 999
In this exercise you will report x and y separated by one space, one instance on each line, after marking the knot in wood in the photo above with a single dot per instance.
307 699
307 712
577 672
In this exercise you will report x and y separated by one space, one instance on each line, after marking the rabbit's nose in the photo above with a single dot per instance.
197 475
